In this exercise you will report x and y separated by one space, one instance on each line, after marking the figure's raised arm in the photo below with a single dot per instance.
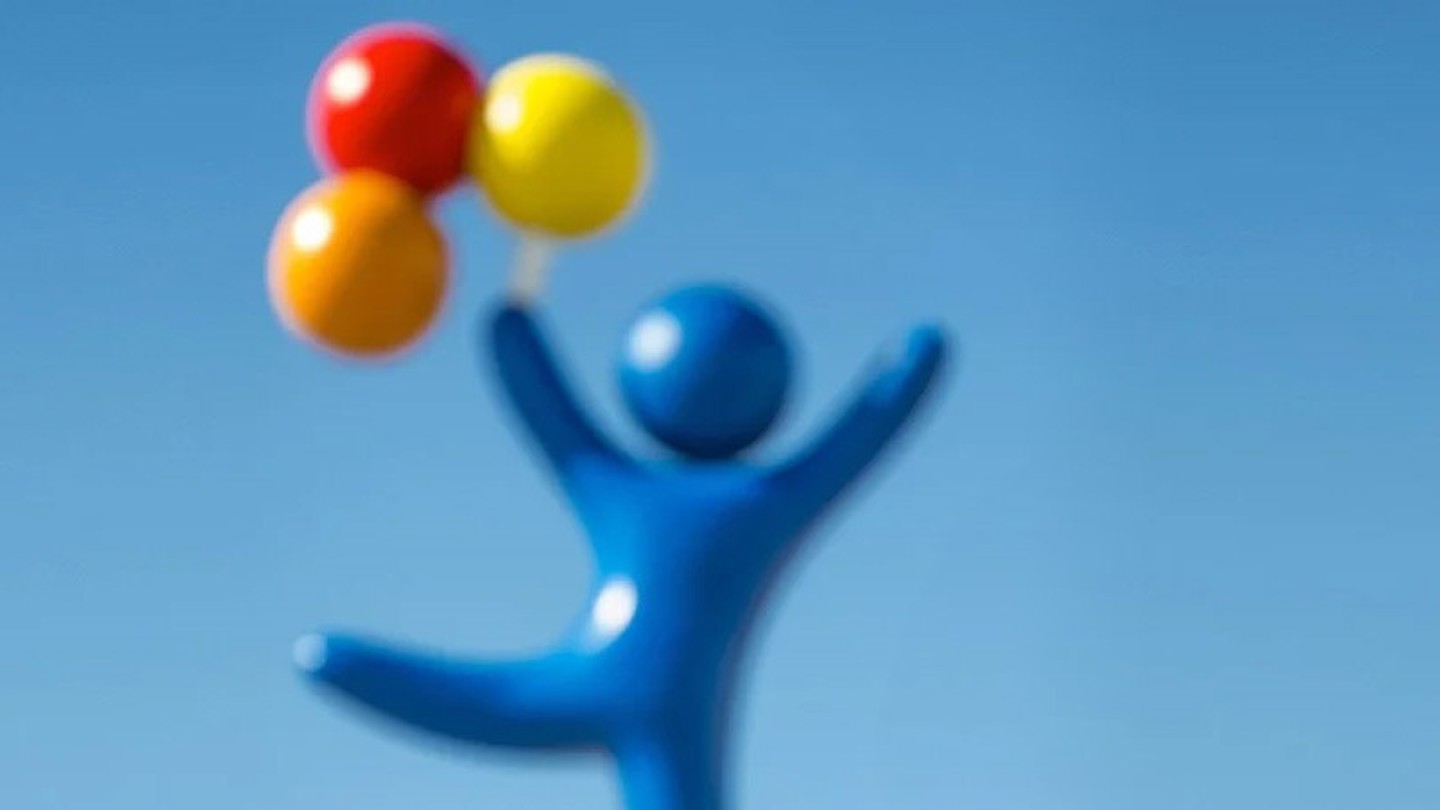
843 451
538 392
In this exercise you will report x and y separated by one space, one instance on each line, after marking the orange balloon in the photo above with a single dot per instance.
357 266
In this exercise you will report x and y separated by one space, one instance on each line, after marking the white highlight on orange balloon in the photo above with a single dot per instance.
312 229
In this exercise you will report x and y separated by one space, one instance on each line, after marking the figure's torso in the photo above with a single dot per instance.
699 546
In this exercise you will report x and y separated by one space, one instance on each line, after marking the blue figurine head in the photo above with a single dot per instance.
705 370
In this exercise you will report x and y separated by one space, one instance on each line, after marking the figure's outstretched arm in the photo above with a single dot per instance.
838 456
538 392
530 704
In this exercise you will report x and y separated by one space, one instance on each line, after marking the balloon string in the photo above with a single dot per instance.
531 266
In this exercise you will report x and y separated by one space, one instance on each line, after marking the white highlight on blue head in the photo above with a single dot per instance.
654 340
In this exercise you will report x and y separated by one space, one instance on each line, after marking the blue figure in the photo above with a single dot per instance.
684 550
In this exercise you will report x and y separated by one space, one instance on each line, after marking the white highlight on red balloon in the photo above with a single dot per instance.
348 80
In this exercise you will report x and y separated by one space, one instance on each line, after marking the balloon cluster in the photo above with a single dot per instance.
397 117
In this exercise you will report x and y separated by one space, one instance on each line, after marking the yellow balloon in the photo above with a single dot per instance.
558 148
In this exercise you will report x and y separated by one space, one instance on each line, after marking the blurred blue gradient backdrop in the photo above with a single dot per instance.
1171 538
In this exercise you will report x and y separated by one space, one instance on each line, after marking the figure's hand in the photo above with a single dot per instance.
909 365
899 380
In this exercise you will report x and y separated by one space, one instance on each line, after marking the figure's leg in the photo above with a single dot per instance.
536 703
674 769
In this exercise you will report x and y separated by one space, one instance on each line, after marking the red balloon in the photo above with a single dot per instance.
396 99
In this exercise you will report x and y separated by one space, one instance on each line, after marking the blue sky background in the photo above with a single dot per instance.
1170 539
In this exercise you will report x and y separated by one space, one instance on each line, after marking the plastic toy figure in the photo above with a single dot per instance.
685 549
